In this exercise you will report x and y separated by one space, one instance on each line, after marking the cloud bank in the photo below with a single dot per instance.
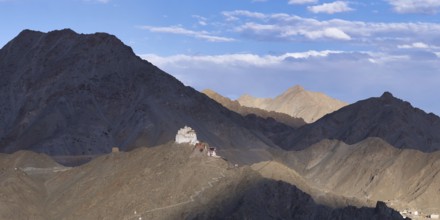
330 8
285 27
349 76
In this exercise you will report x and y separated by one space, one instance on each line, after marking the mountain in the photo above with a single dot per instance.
244 111
64 93
386 117
296 102
73 95
170 181
371 170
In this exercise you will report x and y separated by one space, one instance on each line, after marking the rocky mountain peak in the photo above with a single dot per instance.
387 95
67 32
66 40
30 36
295 89
27 33
388 98
296 102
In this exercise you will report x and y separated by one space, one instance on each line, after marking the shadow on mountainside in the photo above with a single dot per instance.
270 199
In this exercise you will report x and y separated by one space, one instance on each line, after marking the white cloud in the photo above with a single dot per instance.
330 8
349 76
415 6
418 45
310 57
284 27
295 2
333 33
233 59
233 15
288 33
182 31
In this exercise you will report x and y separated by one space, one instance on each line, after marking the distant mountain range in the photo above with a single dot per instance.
386 117
375 149
296 102
243 110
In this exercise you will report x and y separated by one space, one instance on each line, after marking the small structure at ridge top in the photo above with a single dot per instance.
434 216
186 135
204 149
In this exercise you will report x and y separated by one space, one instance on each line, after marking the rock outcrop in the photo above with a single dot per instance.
296 102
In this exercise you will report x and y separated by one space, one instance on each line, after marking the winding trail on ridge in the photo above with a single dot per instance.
190 199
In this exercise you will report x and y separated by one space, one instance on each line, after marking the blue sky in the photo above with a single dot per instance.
350 50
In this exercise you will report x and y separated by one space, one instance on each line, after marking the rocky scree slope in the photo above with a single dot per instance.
164 182
386 117
296 102
371 170
64 93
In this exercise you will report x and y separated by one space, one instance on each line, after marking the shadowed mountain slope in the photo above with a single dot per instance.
276 170
65 93
386 117
296 102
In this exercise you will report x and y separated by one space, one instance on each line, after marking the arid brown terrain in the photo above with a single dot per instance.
73 98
